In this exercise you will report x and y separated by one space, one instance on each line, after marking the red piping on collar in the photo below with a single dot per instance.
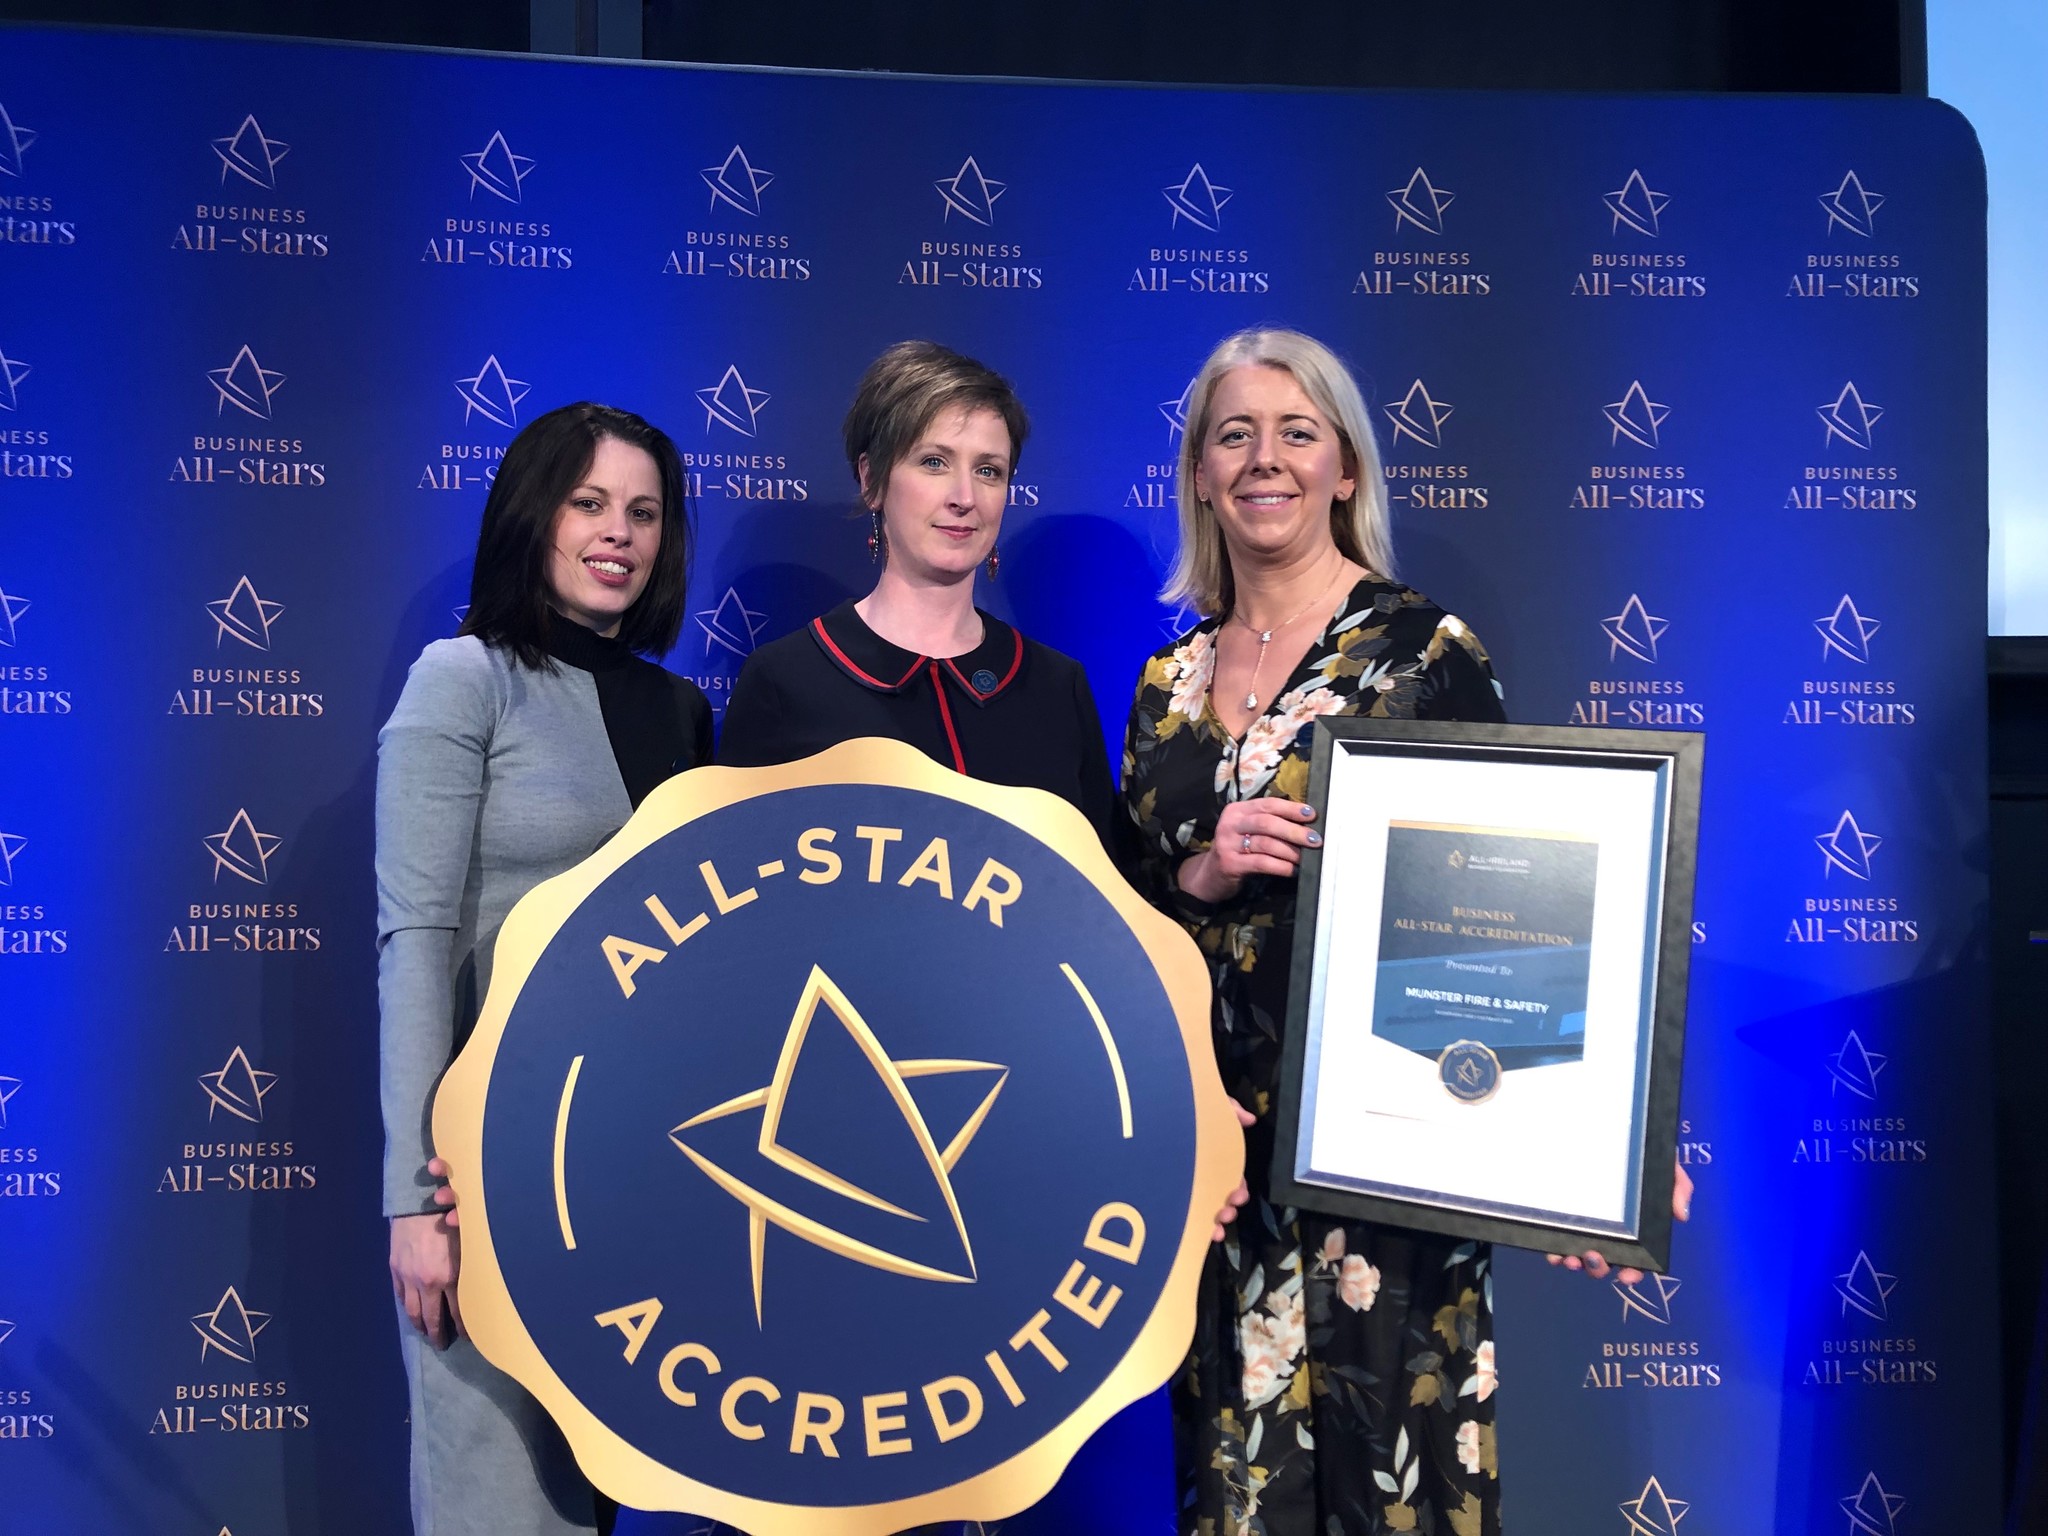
846 661
1016 661
946 715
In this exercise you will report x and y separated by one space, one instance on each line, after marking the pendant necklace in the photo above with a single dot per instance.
1251 697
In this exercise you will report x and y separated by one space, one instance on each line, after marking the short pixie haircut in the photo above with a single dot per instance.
902 394
509 605
1201 577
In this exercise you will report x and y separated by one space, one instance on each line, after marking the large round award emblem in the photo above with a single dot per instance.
837 1147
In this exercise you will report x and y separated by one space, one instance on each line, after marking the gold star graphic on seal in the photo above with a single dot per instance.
895 1077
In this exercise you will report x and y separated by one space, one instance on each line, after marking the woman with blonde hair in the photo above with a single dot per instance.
1300 1410
1342 1375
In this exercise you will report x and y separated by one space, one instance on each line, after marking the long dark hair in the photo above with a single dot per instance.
508 587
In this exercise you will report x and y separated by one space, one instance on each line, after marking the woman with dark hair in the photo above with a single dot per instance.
932 439
515 750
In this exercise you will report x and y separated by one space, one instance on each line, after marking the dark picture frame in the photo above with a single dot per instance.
1660 890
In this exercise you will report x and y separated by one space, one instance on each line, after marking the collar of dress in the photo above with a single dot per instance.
980 675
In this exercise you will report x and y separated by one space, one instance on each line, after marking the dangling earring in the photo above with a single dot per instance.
874 536
995 561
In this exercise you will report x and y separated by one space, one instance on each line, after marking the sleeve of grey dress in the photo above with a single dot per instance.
430 775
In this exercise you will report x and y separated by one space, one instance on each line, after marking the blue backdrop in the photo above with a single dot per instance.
1683 406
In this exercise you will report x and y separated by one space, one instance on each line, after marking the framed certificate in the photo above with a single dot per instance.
1487 1011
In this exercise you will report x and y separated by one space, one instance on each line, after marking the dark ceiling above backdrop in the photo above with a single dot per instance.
1700 45
1692 45
495 25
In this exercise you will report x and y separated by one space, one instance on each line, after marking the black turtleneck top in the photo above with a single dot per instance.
658 723
1011 711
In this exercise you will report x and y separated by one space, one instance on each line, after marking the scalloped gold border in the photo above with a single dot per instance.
630 1475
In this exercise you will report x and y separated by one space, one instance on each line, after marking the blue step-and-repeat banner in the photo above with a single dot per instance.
1682 403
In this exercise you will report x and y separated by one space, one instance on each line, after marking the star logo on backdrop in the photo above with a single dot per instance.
1866 1289
1653 1512
901 1115
729 403
1198 200
735 182
1418 417
244 616
230 1328
1636 206
1847 848
497 170
237 1088
1870 1509
1855 1068
1634 631
11 610
14 143
9 1087
1851 207
1179 622
250 155
970 194
11 375
1846 632
1650 1297
731 624
10 845
1849 417
1420 204
1176 413
1636 416
242 850
246 385
491 394
6 1330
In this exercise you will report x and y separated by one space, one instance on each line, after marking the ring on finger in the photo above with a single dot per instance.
1245 843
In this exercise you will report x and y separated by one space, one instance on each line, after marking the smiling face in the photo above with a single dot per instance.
606 535
1271 465
942 505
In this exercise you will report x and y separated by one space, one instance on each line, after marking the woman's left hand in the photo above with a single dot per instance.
444 1196
1598 1267
1239 1195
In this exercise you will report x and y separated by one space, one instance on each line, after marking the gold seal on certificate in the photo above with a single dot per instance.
1470 1071
1490 963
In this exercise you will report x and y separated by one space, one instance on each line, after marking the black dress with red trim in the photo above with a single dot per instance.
1010 711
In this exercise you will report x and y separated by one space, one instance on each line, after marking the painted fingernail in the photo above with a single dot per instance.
1308 813
1315 839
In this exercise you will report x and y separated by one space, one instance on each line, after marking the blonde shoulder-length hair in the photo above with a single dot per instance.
1201 577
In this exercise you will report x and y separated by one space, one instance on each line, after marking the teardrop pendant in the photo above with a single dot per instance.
1251 701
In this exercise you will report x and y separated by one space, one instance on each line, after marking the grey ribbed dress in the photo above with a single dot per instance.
492 777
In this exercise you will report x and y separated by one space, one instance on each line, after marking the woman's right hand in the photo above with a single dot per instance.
426 1257
1253 837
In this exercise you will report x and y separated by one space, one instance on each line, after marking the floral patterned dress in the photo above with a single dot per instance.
1342 1376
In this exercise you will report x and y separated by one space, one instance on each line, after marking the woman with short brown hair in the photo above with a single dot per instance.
932 439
